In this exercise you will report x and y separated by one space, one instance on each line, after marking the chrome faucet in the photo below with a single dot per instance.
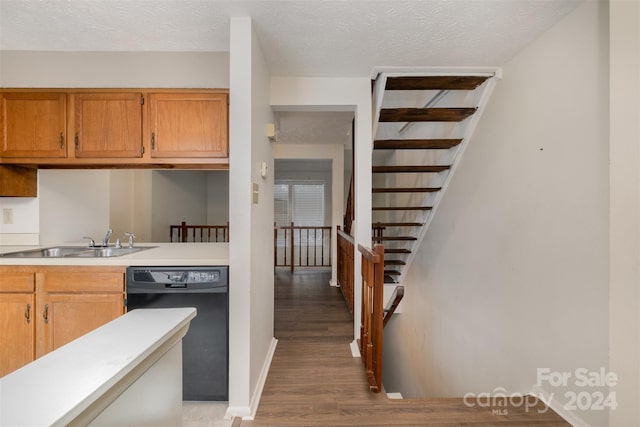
131 236
105 241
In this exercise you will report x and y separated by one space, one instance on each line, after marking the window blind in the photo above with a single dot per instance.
300 202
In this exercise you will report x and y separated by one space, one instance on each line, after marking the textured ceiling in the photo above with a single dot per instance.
314 127
317 38
300 37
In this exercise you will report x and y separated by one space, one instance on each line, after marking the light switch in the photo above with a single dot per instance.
255 192
7 216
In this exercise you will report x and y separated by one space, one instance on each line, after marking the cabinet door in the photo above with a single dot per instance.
188 124
33 124
108 125
17 328
65 317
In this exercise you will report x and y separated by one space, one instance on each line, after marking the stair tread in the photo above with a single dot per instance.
392 272
402 208
405 189
390 238
410 169
394 262
397 224
396 251
425 114
434 82
415 144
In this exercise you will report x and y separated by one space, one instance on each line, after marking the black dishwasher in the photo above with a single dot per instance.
205 357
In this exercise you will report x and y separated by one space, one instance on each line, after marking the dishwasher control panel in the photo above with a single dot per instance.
192 278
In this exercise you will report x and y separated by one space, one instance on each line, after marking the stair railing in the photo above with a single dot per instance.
301 246
345 258
392 305
378 231
198 233
372 314
348 216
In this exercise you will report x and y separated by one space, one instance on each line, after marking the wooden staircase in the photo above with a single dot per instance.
422 125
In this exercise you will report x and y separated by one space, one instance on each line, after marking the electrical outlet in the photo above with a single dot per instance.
7 216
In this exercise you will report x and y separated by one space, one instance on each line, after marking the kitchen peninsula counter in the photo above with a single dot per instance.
161 254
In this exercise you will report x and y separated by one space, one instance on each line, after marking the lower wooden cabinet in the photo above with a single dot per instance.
17 324
17 331
43 308
66 317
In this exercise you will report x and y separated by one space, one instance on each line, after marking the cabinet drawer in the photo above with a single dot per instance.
17 281
86 280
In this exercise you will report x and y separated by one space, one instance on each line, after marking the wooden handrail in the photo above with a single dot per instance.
350 208
372 314
392 305
349 213
345 258
196 233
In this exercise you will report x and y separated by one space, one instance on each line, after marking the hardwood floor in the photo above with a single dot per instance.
315 381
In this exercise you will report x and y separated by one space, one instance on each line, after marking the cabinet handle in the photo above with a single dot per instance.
61 140
76 140
45 313
153 140
27 313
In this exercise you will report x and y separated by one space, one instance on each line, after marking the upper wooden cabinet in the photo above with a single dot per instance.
173 128
188 124
107 124
33 124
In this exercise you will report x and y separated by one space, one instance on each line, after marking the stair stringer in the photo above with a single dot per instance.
455 153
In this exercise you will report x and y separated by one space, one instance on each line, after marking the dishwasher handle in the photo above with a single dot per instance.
174 285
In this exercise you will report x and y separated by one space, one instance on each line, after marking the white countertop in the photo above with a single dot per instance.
58 387
162 254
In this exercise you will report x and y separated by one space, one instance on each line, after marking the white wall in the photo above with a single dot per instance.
73 204
217 197
114 69
121 202
251 224
624 254
142 205
25 228
513 273
177 196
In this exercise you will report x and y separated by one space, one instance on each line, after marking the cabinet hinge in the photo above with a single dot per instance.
125 303
141 100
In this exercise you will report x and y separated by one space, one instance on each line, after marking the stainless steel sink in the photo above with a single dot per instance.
109 252
74 252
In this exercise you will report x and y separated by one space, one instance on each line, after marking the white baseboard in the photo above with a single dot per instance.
257 394
243 412
334 283
550 400
394 396
249 412
355 351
